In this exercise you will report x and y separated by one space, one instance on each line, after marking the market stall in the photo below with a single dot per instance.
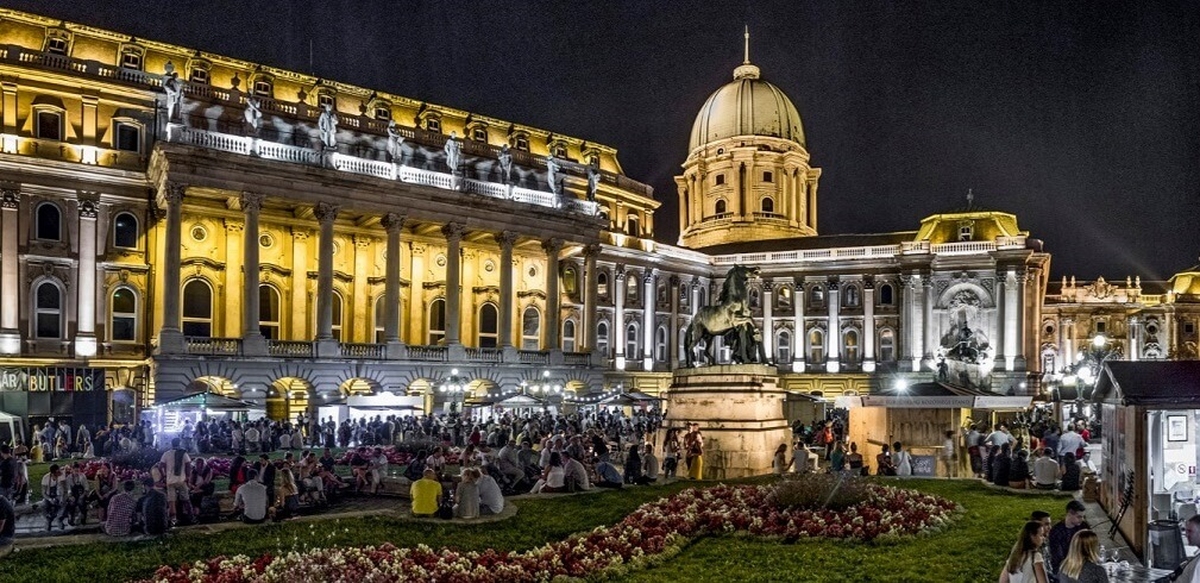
383 405
169 417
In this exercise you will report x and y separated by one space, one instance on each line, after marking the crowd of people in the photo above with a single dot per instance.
1043 458
1067 552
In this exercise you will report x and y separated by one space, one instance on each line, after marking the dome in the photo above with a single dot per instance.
747 106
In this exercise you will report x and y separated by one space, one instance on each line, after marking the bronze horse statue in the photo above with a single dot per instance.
730 312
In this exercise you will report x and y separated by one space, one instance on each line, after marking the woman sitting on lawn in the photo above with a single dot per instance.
553 477
467 495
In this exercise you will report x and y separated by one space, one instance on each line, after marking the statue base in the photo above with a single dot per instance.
740 409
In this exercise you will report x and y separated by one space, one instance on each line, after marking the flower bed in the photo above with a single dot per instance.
651 534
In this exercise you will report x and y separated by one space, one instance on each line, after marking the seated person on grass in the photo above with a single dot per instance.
426 493
122 506
153 515
491 499
252 499
607 475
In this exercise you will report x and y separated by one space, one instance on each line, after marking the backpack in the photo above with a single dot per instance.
445 509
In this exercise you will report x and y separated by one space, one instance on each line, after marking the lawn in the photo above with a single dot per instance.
971 551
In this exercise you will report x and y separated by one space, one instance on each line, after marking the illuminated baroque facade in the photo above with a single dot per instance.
175 221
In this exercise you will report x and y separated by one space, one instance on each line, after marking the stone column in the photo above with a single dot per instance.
868 325
253 342
1019 362
10 305
85 336
1001 361
1135 338
917 333
673 334
454 233
506 240
1068 332
392 223
929 342
833 340
235 230
768 326
617 335
649 330
553 298
326 346
299 292
170 337
800 339
591 292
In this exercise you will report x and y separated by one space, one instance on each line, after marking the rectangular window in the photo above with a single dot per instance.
129 137
1100 326
262 88
199 75
57 46
433 124
720 179
768 177
479 134
383 113
522 143
326 99
124 328
560 152
131 60
1189 328
49 125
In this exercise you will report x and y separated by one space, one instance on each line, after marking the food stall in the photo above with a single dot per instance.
169 417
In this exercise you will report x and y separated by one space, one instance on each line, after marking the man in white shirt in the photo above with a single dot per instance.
998 438
1070 442
491 499
251 499
379 465
1045 471
178 467
573 470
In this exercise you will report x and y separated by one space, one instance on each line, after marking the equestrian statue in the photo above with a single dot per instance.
729 318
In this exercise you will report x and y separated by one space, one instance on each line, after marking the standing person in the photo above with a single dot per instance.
8 472
1069 472
1082 562
178 470
693 445
1069 443
854 461
671 450
1190 570
975 451
1043 518
903 460
948 455
1002 466
1025 563
1062 533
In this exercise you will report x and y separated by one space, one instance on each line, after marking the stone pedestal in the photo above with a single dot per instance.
740 409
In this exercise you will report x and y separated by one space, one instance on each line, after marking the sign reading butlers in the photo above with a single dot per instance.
42 379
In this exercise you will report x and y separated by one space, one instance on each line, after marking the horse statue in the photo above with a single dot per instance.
730 312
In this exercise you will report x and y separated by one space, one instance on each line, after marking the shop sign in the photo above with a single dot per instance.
43 379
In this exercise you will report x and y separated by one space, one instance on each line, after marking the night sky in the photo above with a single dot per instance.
1082 118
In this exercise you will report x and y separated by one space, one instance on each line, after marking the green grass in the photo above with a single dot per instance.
970 551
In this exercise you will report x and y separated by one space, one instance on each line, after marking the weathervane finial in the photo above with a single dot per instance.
747 50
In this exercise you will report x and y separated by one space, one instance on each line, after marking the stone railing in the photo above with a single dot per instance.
810 255
213 346
367 351
484 355
428 353
534 357
963 247
290 348
577 358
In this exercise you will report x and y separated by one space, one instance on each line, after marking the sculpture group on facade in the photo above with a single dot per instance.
730 319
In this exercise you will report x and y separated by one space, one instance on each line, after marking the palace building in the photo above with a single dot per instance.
176 221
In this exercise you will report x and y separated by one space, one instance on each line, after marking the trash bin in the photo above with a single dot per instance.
1166 544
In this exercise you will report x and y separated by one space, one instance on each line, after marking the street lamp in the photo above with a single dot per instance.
1085 372
455 388
543 387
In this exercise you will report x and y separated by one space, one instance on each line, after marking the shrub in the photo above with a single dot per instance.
811 491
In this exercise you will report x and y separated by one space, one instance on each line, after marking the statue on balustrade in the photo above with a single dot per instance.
554 174
593 174
253 113
394 141
453 151
730 313
327 123
173 87
505 165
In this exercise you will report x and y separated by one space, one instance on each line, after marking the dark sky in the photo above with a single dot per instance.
1082 118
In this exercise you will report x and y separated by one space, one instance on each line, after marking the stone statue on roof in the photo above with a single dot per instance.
453 151
253 113
394 141
327 123
173 87
506 160
593 175
554 174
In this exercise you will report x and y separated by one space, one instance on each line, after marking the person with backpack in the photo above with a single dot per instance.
178 470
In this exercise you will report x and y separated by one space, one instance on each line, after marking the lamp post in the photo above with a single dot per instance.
455 388
1085 372
543 387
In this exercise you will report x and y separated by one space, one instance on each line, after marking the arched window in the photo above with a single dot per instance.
531 329
887 345
602 338
755 298
720 208
783 347
631 342
437 321
48 315
660 344
768 205
816 297
631 226
703 297
784 298
851 299
816 346
125 231
850 347
49 222
380 320
570 280
197 308
886 295
568 336
123 316
268 312
489 326
631 287
602 283
338 304
682 348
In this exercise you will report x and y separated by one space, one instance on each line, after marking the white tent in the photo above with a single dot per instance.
11 427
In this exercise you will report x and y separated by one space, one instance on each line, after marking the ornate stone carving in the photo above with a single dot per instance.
251 201
325 212
363 241
393 222
592 250
10 196
417 248
869 282
832 285
553 245
454 231
300 234
1100 289
232 226
506 239
88 208
174 192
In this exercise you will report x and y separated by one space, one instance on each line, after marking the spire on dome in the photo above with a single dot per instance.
746 70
